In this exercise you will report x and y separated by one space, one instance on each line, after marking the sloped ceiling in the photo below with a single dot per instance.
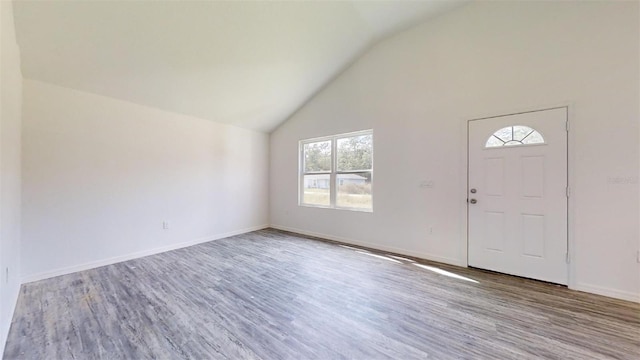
250 64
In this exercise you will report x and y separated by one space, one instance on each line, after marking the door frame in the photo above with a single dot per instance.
570 118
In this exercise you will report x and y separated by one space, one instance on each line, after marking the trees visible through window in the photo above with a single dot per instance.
337 171
514 136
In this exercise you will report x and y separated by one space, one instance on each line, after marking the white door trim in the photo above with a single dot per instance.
464 161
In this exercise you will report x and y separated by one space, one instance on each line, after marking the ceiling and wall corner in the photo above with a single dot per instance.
249 64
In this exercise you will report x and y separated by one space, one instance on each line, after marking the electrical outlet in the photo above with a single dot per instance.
165 225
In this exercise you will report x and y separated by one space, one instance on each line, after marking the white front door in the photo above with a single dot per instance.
518 194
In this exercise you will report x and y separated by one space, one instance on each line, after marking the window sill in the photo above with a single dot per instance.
337 208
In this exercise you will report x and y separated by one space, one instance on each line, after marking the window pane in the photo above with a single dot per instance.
317 156
494 142
534 138
506 134
316 189
354 153
354 190
519 132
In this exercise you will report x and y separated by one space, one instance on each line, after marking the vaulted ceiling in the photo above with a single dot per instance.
250 64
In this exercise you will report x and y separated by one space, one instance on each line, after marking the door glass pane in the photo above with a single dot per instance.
514 136
533 138
354 190
519 132
506 134
494 142
316 189
354 153
317 156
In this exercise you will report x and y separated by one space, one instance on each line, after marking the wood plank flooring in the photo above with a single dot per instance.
277 295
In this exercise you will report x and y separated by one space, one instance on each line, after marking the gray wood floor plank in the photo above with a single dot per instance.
277 295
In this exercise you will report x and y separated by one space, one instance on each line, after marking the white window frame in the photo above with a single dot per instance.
333 174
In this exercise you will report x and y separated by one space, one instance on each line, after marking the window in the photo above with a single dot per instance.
514 136
337 171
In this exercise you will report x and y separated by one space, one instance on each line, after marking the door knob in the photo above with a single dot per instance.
473 201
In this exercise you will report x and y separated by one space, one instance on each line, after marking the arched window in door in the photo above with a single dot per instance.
514 136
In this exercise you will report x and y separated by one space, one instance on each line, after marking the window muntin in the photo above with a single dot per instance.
515 135
337 171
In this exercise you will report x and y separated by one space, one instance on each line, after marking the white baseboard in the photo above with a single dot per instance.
391 249
4 331
136 255
613 293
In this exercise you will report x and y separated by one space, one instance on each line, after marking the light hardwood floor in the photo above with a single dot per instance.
277 295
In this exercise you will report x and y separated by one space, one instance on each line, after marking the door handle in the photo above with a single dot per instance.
473 201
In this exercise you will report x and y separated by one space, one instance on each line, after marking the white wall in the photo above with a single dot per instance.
10 128
417 89
101 175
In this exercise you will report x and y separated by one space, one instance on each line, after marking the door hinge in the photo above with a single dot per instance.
568 191
567 125
566 258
